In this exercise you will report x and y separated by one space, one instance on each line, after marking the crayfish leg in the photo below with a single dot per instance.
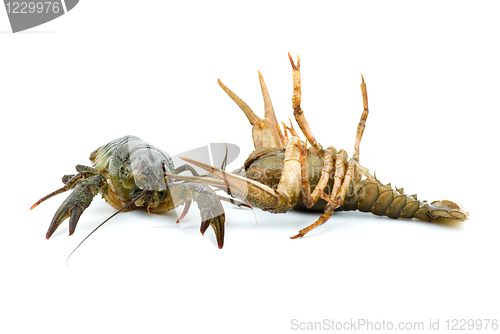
323 219
362 121
68 185
336 199
298 113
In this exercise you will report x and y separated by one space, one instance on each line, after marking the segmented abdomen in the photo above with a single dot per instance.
382 200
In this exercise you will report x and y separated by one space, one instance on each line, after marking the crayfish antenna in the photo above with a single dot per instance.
224 162
238 204
114 214
223 167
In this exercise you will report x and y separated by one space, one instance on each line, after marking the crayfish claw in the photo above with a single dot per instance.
217 224
187 205
71 208
204 226
76 212
76 203
211 210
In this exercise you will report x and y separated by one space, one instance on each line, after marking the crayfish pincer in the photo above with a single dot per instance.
283 173
130 174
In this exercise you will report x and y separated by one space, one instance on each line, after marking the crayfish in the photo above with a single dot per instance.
129 173
283 173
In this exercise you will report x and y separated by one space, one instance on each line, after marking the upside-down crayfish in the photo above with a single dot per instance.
282 173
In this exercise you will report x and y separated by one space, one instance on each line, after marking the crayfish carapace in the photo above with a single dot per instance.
283 172
130 174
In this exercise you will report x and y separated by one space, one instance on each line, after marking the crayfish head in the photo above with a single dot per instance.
149 177
152 180
150 200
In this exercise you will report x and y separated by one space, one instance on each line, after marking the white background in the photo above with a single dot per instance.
150 68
